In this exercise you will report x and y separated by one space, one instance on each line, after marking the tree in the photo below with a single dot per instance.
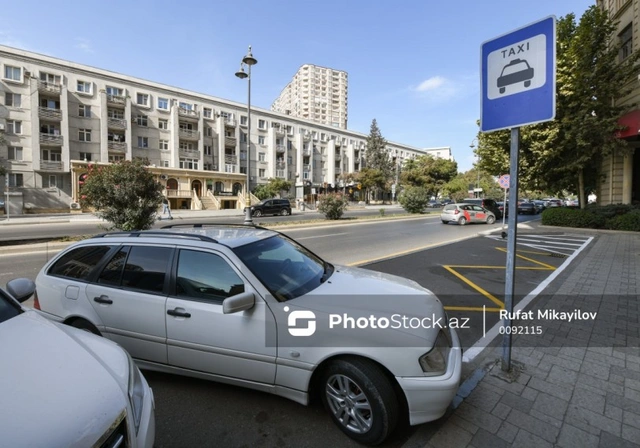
566 154
429 172
332 205
274 187
377 160
125 194
414 199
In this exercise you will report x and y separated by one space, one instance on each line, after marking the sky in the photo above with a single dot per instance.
413 65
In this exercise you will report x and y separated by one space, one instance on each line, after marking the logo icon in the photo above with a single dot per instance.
301 315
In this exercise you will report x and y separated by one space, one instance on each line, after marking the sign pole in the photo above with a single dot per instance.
505 207
511 247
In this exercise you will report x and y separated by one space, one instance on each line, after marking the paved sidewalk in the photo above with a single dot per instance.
577 385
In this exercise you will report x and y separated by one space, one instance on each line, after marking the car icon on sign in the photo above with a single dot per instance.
514 72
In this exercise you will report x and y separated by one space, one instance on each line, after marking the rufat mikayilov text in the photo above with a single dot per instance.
566 316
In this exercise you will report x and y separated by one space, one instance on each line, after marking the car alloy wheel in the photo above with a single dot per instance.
257 213
360 400
284 212
491 219
462 221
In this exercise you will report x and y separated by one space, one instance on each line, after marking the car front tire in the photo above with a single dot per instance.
285 212
491 219
462 221
360 400
257 213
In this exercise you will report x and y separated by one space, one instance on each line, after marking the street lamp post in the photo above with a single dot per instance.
248 60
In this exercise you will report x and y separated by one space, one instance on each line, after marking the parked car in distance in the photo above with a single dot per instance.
504 211
554 203
433 204
540 205
489 204
447 201
271 207
466 213
527 208
217 302
64 387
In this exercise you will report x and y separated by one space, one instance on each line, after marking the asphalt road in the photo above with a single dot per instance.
192 412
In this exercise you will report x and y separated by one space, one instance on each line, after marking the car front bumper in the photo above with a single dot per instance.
147 431
429 397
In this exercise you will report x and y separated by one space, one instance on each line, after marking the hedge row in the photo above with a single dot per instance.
614 217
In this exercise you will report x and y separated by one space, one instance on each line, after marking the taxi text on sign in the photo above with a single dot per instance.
518 77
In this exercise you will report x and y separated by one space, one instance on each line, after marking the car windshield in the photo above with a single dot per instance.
8 307
285 268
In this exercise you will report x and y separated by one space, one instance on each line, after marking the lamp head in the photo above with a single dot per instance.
249 59
241 73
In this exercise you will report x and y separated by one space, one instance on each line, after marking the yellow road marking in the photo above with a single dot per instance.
547 266
487 294
530 268
404 252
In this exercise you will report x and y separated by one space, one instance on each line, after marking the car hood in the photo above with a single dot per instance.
55 391
361 293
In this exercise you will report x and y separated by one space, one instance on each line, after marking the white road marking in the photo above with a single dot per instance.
321 236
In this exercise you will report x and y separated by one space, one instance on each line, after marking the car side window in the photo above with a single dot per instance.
206 276
112 272
78 263
477 208
268 204
146 267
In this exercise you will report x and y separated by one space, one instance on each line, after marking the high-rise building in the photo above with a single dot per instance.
316 93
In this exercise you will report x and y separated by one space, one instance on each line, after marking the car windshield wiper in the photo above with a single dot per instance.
328 270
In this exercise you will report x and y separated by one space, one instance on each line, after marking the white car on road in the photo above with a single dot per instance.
249 306
66 388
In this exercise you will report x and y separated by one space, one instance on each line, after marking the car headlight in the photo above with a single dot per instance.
434 362
136 392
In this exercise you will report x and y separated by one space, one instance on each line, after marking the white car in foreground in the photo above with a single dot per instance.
251 307
63 387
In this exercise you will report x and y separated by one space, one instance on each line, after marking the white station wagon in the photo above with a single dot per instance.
249 306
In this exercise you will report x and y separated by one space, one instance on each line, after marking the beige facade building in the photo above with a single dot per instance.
316 93
57 117
621 172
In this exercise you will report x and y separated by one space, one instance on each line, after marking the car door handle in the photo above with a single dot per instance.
178 312
103 299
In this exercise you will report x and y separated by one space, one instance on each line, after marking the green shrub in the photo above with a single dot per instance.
414 199
381 211
628 221
611 210
332 205
572 217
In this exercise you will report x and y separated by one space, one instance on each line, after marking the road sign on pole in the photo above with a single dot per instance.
518 83
518 72
504 181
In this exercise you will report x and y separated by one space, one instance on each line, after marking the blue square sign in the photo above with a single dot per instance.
518 77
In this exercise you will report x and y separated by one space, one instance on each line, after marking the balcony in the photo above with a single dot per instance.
281 174
306 137
338 156
306 152
189 153
280 149
230 122
280 165
189 134
306 167
230 141
46 165
178 193
188 113
50 139
116 100
116 123
279 130
120 147
229 159
338 171
49 87
46 113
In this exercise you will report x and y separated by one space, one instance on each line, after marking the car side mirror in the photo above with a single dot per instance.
240 302
21 288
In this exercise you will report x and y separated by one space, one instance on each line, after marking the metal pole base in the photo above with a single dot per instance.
247 217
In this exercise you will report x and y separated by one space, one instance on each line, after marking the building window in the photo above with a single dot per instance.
262 124
165 163
186 146
243 170
186 126
50 78
114 158
164 145
15 180
207 112
12 73
261 172
261 140
14 127
84 135
12 99
142 120
208 131
142 99
115 91
626 42
290 130
185 106
163 124
262 157
86 156
84 111
163 103
143 142
243 137
50 104
15 153
207 150
53 181
115 113
51 156
243 120
189 164
84 87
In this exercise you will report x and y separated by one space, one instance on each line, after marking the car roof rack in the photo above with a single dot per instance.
199 225
138 233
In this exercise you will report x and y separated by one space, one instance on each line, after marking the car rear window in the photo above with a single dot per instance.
78 263
449 207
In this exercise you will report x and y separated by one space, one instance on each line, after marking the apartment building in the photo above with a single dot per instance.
57 117
621 172
443 152
316 93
